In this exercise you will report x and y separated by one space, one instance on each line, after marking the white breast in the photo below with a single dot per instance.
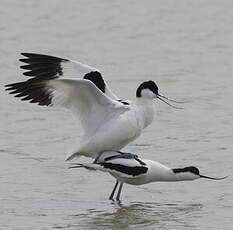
115 134
145 111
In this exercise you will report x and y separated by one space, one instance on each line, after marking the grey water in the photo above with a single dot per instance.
186 47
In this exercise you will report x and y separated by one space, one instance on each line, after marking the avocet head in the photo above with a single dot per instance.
149 90
191 173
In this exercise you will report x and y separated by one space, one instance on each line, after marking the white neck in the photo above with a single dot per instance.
159 172
146 110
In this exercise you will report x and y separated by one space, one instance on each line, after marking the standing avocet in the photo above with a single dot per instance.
108 122
128 168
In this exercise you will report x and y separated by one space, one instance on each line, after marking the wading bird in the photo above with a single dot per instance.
108 122
128 168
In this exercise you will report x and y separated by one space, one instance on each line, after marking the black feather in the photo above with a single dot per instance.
41 66
134 171
32 90
97 79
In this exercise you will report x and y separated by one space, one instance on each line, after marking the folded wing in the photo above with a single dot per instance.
124 165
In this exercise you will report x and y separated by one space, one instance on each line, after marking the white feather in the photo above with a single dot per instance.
107 123
75 70
86 101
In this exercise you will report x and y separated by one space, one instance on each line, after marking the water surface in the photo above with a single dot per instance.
186 47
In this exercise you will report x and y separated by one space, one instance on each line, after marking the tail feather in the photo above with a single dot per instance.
86 166
72 156
89 166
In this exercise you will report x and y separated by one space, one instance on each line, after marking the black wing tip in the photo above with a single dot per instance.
40 56
23 66
32 91
27 74
26 54
31 55
42 66
8 86
24 60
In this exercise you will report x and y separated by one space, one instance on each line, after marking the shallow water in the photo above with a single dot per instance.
186 47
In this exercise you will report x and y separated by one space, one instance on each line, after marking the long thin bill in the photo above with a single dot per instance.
213 178
158 96
169 99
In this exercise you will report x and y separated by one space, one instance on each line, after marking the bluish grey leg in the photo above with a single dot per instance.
113 191
119 192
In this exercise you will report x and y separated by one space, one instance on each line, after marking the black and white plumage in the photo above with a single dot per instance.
132 166
46 67
129 168
42 68
108 122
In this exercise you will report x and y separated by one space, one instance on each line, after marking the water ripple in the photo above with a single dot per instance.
137 215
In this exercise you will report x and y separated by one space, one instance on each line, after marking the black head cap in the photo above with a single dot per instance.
147 85
190 169
97 79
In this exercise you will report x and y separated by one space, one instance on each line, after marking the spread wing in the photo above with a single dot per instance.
47 86
44 66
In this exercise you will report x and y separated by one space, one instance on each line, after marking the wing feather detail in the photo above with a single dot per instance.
55 81
80 96
50 67
124 164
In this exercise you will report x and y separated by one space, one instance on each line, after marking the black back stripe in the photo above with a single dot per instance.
133 171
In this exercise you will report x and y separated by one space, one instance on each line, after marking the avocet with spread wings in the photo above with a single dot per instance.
108 122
